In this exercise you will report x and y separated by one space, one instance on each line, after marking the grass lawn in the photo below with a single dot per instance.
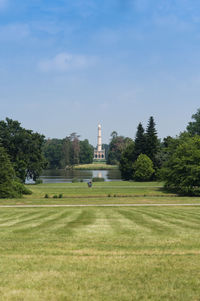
95 166
98 253
101 193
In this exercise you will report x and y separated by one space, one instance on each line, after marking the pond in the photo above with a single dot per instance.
66 176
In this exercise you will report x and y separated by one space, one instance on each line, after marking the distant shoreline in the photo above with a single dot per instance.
95 166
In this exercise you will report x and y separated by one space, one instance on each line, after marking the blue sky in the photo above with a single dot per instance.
67 65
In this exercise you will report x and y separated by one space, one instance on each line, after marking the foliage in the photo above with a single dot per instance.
163 153
140 142
7 176
24 148
143 168
9 186
152 142
38 181
86 152
71 150
106 148
146 144
182 170
53 152
68 152
126 162
97 179
75 180
193 128
116 147
21 188
75 149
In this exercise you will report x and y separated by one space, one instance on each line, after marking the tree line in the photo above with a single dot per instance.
67 152
174 160
25 154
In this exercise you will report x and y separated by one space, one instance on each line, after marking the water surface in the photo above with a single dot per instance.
66 176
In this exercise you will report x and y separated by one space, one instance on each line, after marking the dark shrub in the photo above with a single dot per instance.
98 179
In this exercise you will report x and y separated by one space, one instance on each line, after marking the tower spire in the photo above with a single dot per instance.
99 153
99 143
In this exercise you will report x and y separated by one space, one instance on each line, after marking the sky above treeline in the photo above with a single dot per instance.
67 65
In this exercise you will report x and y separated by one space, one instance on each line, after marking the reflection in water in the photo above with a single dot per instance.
100 175
64 176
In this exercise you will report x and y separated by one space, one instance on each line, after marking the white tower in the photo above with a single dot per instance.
99 153
99 144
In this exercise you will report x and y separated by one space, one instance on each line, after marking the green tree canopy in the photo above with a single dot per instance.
9 186
143 168
75 151
53 152
181 172
24 149
7 176
116 147
126 162
194 126
86 152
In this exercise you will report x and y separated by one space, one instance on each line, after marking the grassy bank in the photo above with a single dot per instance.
100 254
101 193
95 166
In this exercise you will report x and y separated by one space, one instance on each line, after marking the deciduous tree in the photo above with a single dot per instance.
194 126
9 185
181 172
126 162
143 168
24 149
86 152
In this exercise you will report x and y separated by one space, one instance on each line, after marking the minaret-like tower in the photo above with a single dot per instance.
99 144
99 153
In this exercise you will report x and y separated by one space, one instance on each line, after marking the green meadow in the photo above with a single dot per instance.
101 193
100 253
96 166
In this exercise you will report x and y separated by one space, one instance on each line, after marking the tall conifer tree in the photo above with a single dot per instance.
152 143
140 142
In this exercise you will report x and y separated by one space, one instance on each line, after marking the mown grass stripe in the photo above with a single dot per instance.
141 219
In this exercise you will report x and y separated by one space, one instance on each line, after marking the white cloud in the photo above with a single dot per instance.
65 62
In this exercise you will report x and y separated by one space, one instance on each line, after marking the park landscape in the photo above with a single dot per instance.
136 238
118 252
99 150
133 239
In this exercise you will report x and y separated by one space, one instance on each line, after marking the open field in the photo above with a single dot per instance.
100 253
101 193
